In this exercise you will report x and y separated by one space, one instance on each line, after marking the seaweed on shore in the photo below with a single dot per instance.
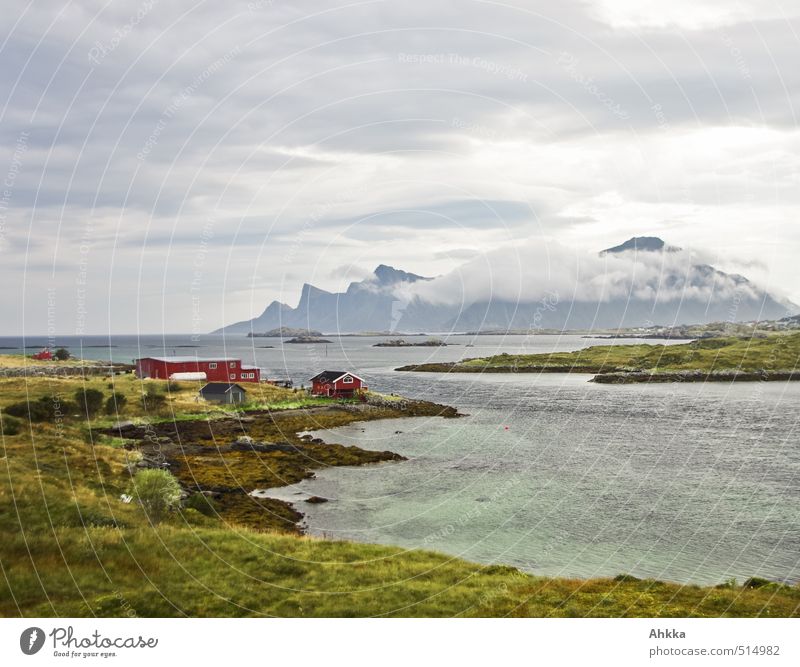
201 455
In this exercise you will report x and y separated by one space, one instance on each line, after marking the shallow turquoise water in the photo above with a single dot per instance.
689 483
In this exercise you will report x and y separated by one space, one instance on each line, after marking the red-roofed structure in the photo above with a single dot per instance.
221 369
337 384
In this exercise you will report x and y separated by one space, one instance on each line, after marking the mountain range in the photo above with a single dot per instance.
654 287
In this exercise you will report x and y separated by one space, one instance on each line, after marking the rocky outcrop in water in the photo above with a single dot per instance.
696 376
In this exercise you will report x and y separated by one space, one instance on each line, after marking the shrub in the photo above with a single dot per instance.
9 425
157 491
115 403
152 401
173 386
36 411
89 401
47 407
756 582
201 503
61 354
58 407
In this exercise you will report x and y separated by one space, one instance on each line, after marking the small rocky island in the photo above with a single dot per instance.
399 342
285 332
303 340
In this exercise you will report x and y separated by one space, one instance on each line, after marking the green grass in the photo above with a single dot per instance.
393 398
71 548
176 570
295 403
780 352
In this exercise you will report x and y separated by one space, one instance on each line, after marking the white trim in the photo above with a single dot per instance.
360 379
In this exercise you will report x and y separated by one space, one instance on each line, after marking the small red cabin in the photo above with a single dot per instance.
44 355
223 369
337 384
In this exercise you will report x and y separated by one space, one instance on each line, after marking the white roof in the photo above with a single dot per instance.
193 375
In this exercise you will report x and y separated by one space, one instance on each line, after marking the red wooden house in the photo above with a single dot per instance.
44 355
222 369
338 384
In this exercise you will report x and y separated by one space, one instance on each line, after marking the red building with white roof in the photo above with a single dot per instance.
222 369
339 384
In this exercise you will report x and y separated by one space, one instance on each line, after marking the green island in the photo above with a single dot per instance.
771 357
128 497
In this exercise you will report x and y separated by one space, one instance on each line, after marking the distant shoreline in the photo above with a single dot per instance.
770 359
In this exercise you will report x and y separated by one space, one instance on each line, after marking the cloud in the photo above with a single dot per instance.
538 268
457 253
687 14
342 134
450 214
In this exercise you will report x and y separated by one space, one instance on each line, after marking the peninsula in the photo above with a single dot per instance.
773 357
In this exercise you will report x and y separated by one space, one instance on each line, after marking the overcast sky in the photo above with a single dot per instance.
176 166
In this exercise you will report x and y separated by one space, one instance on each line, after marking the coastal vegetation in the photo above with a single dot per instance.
145 512
157 491
775 356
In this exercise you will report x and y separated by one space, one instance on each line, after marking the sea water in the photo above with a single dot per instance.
696 483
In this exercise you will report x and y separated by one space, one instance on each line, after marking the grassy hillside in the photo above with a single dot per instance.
72 547
712 355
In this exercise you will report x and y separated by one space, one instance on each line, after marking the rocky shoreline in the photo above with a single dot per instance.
618 376
222 461
697 376
454 367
